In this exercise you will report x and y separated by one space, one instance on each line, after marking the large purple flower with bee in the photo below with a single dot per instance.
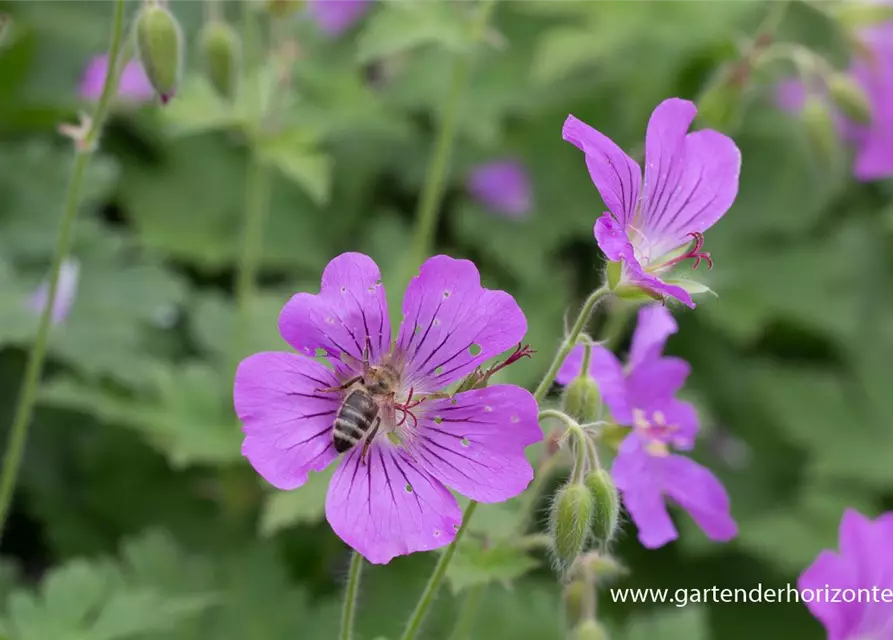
384 403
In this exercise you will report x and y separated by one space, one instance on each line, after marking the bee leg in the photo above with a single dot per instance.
368 441
342 387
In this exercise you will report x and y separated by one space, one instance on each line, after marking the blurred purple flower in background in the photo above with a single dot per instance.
389 495
334 17
643 397
133 86
65 295
863 565
691 180
503 186
872 71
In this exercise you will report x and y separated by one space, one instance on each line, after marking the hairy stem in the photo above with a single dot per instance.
12 458
435 180
421 609
350 596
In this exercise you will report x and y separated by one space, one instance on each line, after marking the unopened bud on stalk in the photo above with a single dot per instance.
221 55
820 126
284 8
573 595
570 523
159 42
849 98
606 505
720 105
582 400
5 28
589 630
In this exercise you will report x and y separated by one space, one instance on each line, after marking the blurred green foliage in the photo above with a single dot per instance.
136 516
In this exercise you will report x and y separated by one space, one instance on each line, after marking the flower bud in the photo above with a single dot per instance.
159 43
221 56
582 400
820 127
855 15
570 523
607 505
849 98
720 105
573 595
284 8
5 28
589 630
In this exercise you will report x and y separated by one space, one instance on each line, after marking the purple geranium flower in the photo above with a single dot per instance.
691 180
503 186
335 17
65 292
389 495
864 565
872 70
133 85
643 397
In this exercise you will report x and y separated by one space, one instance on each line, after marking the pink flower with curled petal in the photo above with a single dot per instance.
334 17
503 186
872 70
66 291
641 395
863 564
690 181
389 495
133 86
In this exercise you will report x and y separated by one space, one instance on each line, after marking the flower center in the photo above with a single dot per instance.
653 428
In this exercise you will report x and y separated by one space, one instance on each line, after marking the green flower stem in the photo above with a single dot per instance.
418 615
468 612
350 597
12 457
569 342
435 180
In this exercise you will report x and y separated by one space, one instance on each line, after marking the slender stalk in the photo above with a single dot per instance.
12 457
534 491
350 596
435 180
468 613
421 609
569 342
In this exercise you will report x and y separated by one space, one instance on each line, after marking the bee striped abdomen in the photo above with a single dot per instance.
355 417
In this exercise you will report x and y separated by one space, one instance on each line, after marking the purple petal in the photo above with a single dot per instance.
287 423
699 492
334 17
502 186
638 481
350 306
654 325
474 443
451 324
690 180
790 95
608 374
874 158
838 618
66 292
615 244
684 416
389 507
133 85
572 366
654 382
617 177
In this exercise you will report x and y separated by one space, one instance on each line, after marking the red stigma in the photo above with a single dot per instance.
519 352
695 252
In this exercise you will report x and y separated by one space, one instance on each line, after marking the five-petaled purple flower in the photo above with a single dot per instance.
503 186
872 70
133 85
334 17
389 495
66 292
643 397
691 180
865 566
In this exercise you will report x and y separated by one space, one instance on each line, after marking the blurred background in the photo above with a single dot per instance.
137 517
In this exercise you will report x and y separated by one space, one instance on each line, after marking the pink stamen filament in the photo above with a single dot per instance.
695 252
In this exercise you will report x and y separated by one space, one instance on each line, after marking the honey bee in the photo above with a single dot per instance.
359 416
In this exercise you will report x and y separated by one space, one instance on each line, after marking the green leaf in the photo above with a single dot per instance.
398 27
294 152
198 108
475 563
304 505
564 50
